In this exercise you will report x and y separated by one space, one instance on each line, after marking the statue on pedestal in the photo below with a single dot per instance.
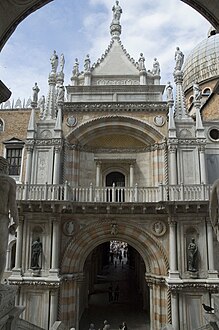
87 64
156 67
179 58
141 61
7 204
117 11
35 254
35 92
192 256
54 60
196 92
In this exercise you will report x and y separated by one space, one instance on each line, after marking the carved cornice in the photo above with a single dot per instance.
34 282
214 288
116 107
156 146
49 142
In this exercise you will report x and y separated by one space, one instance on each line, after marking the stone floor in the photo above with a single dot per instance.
128 308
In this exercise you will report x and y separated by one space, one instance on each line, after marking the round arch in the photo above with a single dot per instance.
98 127
150 249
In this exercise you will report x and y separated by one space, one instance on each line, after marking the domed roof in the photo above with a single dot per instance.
202 63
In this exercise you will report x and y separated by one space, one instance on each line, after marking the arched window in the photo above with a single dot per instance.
1 125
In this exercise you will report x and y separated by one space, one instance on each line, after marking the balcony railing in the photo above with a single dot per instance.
113 194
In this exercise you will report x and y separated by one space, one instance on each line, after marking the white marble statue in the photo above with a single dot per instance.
141 61
196 92
87 64
35 93
117 11
7 204
60 93
62 62
169 91
54 60
156 67
179 59
75 71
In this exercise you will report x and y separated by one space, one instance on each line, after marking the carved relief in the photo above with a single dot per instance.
158 228
68 228
159 120
185 133
46 134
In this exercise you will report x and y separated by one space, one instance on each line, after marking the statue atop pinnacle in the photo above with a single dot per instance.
115 27
117 11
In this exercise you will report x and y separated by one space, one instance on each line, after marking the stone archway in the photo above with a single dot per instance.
78 249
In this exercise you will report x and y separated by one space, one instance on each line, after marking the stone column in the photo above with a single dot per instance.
173 272
175 310
173 165
28 164
56 169
131 174
98 171
17 269
53 307
202 164
211 268
79 298
55 248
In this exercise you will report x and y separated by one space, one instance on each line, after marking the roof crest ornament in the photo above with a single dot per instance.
115 27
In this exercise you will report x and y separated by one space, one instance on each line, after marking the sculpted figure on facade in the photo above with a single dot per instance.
60 94
54 60
192 256
196 92
35 254
156 67
141 61
75 71
87 64
62 62
35 92
7 204
117 11
169 91
179 59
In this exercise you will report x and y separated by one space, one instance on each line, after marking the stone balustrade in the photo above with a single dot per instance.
136 194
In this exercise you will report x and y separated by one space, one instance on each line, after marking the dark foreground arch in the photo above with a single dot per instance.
12 12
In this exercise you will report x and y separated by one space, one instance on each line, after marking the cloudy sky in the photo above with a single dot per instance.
77 28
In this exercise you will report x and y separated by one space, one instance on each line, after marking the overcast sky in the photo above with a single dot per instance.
77 28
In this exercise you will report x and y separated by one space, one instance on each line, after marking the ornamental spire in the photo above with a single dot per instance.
115 27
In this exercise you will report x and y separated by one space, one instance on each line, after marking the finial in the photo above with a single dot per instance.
179 58
54 61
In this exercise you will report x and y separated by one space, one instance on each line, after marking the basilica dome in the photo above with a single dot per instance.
202 64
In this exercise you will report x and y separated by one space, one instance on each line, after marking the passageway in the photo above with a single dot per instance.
127 271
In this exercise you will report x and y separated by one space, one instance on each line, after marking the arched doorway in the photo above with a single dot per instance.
149 267
116 179
117 292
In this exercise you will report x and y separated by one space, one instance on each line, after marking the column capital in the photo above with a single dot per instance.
172 221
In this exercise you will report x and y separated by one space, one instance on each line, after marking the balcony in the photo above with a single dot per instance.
92 194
